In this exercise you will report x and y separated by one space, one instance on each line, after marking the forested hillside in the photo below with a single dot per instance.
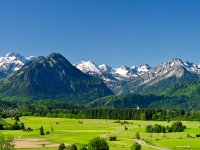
53 77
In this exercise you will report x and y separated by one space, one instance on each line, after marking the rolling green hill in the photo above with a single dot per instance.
185 95
125 101
189 89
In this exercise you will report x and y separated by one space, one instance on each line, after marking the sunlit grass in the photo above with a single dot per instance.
71 131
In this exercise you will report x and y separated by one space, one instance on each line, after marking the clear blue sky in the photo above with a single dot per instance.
115 32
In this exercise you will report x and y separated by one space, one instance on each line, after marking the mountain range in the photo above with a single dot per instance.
141 79
51 77
174 83
108 73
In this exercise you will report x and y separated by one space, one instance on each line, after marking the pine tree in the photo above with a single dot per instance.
41 130
137 135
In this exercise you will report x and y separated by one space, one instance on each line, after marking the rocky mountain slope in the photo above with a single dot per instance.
141 79
10 63
111 74
163 76
52 77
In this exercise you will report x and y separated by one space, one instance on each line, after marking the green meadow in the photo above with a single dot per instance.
81 131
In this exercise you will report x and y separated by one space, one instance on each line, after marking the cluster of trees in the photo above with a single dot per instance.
126 114
175 127
40 107
16 126
63 109
156 128
95 144
118 114
141 114
67 147
115 113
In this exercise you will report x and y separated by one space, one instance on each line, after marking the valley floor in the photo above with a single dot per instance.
81 131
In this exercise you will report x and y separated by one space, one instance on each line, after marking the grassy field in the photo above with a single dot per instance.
70 131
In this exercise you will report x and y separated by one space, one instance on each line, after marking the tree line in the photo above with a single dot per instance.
118 114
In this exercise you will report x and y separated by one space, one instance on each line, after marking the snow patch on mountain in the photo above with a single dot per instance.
114 77
108 73
105 68
31 58
123 71
143 68
88 67
11 62
174 67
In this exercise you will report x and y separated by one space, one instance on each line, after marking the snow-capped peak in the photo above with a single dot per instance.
88 67
108 73
123 70
11 62
126 72
105 68
133 67
144 68
10 54
191 67
13 57
175 61
30 58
